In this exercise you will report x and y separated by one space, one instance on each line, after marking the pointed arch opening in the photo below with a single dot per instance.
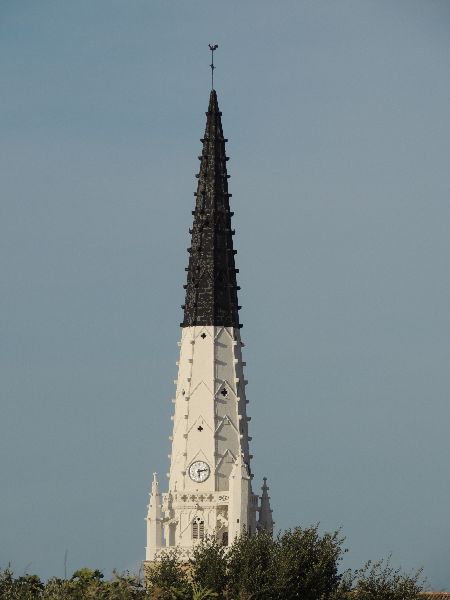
198 529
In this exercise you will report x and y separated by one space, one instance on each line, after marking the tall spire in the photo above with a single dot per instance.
209 481
265 521
211 289
154 521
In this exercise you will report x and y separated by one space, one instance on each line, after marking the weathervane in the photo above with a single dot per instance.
212 47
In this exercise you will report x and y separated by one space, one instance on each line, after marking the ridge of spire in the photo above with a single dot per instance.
211 288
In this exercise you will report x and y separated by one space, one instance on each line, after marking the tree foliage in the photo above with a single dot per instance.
307 564
299 564
252 568
26 587
208 567
380 581
167 578
85 584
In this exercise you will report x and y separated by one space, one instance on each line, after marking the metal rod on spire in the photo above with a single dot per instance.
212 47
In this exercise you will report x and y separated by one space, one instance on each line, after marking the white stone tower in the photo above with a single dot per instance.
210 478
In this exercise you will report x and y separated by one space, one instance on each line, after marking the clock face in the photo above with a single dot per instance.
199 471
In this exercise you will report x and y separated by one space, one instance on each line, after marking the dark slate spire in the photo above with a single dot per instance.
211 289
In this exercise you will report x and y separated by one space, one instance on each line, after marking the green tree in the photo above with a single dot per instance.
200 592
193 592
7 584
300 563
380 581
58 589
208 567
251 567
29 586
167 576
26 587
87 584
125 587
307 565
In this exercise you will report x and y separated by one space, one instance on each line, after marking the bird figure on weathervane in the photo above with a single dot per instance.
212 47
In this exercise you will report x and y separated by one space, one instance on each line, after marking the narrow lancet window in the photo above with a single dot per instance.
198 529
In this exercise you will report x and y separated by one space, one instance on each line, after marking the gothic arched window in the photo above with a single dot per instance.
198 529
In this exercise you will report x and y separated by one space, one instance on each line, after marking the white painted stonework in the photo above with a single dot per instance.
210 425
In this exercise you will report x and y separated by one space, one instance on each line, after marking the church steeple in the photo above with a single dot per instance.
211 289
210 477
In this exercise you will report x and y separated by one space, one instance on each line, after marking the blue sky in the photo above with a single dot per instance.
338 121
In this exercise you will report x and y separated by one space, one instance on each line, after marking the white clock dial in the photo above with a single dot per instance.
199 471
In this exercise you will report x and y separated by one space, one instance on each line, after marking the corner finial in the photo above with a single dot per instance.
213 48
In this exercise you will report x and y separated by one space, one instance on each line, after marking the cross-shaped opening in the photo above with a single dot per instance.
224 392
203 335
200 428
